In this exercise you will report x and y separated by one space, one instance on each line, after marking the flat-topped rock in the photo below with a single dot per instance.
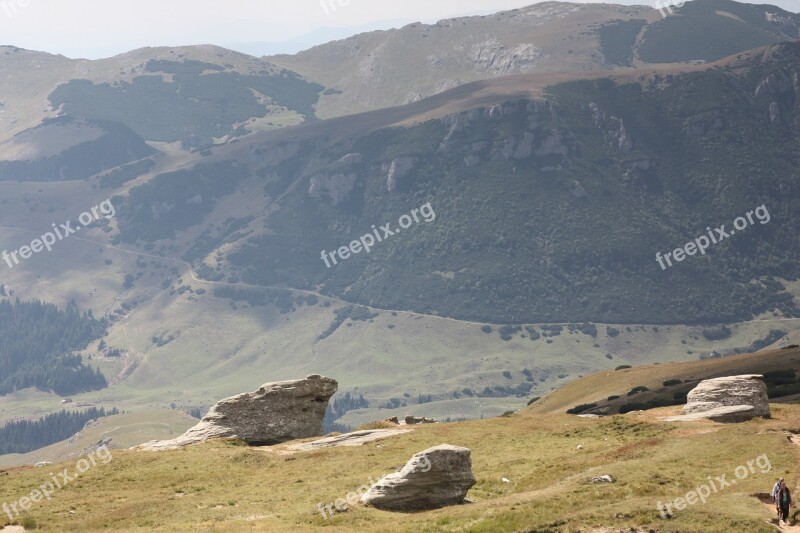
355 438
728 413
711 394
277 412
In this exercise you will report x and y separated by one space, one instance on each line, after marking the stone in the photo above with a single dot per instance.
399 168
351 159
355 438
332 187
729 413
748 389
437 477
277 412
603 479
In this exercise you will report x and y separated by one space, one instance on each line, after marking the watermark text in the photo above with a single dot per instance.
717 484
59 233
368 241
702 243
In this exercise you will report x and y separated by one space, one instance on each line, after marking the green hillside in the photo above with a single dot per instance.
195 107
545 211
193 95
38 345
735 26
66 148
657 385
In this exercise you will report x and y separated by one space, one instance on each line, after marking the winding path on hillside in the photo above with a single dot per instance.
190 269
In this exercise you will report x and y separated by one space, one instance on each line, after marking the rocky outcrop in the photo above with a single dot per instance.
734 391
333 187
556 143
511 148
338 181
732 413
275 413
398 169
613 129
787 24
577 190
774 113
437 477
351 159
495 58
776 85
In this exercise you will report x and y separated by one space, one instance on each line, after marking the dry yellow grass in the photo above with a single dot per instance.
228 487
599 386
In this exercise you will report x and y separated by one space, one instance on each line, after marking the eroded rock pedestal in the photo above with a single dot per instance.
277 412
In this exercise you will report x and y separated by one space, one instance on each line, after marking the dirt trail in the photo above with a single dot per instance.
794 526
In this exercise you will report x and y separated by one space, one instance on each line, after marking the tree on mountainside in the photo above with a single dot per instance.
37 341
25 435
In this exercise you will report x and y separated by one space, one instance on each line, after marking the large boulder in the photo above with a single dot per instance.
434 478
712 394
275 413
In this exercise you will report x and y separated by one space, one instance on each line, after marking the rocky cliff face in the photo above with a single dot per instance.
337 183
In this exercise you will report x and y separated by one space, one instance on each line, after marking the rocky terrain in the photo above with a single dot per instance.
276 412
519 471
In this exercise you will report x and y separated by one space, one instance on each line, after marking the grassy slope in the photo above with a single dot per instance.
125 430
221 487
598 387
735 26
370 68
36 75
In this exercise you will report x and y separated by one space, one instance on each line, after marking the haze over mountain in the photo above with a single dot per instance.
533 168
313 38
546 37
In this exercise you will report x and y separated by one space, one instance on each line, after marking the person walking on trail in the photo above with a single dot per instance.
785 501
775 490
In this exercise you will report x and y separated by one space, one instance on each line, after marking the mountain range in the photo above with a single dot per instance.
562 148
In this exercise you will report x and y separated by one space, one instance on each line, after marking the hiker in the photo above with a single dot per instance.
775 490
785 501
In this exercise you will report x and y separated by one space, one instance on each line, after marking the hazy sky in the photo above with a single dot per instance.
101 28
